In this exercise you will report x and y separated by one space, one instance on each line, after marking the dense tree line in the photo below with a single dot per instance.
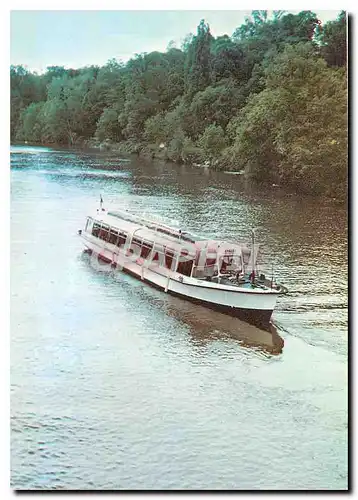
271 99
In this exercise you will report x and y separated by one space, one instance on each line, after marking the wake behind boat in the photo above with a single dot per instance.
217 274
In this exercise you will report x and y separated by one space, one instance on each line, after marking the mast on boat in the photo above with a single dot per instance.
253 256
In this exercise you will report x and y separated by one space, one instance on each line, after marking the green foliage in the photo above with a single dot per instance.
176 145
252 134
215 104
259 35
26 88
155 130
228 60
333 40
182 148
271 99
296 129
197 63
282 28
31 121
108 126
212 141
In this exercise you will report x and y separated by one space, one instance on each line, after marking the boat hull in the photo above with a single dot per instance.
258 317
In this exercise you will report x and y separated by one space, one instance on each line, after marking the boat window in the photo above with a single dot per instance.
228 263
96 229
211 267
159 256
113 236
136 245
169 255
88 224
185 267
137 241
104 232
121 239
146 249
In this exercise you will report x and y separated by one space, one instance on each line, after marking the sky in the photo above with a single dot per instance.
77 38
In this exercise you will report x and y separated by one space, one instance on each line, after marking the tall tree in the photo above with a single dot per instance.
198 64
333 41
228 60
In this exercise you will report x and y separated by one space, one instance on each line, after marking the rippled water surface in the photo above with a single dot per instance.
115 385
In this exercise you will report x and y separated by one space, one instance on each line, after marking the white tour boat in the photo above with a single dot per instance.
216 274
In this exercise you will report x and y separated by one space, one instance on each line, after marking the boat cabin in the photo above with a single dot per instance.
179 251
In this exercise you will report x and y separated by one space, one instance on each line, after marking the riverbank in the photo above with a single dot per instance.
194 156
151 152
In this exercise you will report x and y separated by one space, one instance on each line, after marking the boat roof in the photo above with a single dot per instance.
155 231
127 219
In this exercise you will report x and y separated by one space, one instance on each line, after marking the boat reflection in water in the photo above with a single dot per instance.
207 325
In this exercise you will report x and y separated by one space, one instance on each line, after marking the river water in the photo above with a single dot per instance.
115 385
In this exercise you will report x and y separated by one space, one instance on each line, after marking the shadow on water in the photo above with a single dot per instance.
205 325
